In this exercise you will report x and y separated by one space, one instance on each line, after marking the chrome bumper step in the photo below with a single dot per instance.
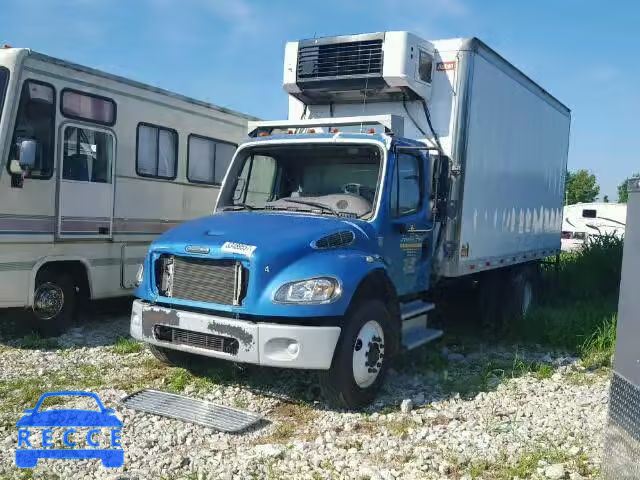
200 412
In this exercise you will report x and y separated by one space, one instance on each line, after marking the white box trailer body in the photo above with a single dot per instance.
507 138
101 227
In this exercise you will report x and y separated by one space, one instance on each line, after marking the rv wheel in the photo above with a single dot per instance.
54 302
361 358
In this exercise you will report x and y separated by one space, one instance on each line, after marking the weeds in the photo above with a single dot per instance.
597 350
126 345
33 341
577 309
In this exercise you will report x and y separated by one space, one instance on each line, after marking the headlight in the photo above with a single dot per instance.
140 274
314 290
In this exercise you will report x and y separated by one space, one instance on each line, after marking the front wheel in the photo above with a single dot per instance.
361 358
54 303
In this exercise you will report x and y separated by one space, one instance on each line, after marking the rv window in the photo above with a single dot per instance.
406 191
4 81
36 121
157 153
86 106
87 155
589 213
208 159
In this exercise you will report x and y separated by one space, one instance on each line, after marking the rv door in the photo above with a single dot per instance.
86 188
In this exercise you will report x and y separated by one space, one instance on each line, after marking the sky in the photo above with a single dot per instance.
230 52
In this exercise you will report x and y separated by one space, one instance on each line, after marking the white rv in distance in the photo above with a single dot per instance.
92 167
583 220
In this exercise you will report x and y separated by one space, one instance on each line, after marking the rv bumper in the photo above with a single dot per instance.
269 344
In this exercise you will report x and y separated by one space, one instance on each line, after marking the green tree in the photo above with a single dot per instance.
623 194
581 186
606 199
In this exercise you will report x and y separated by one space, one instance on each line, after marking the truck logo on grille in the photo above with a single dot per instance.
196 249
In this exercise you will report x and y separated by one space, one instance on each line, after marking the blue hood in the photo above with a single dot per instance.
282 253
273 232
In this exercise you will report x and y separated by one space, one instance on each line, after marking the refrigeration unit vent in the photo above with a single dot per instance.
340 59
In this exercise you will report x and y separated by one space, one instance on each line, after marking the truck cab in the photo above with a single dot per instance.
313 233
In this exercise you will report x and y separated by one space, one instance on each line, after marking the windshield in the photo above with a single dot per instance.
325 179
4 81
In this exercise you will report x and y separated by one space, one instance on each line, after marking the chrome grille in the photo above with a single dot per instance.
340 59
209 341
200 412
201 279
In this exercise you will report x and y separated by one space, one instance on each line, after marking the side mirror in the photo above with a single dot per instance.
28 154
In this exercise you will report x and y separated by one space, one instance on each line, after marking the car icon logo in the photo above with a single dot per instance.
35 434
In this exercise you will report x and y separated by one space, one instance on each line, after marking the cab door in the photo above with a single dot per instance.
409 229
85 182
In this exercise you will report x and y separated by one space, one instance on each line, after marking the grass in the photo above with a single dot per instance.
578 306
527 464
34 341
125 345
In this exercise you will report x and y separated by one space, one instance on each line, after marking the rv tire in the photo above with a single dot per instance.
54 303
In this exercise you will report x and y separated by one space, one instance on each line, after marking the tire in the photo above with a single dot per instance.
522 289
350 382
54 303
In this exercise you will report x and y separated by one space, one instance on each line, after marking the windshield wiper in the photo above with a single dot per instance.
239 206
313 204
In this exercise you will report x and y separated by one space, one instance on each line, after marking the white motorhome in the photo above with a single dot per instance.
93 167
583 220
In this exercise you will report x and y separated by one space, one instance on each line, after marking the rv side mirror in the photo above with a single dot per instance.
27 154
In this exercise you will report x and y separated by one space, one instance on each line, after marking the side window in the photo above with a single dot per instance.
406 189
4 81
208 159
255 183
36 121
157 152
86 106
589 213
87 155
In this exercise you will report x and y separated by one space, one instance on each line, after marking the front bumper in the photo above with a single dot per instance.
269 344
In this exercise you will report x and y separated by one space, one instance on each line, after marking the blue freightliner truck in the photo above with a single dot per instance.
406 165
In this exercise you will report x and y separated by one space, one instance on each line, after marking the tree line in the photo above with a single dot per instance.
581 186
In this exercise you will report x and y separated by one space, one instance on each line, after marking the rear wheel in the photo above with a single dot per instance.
522 284
54 302
361 359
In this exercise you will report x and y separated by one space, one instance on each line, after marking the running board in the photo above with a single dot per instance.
417 336
413 309
200 412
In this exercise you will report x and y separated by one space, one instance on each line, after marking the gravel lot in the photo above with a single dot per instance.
457 409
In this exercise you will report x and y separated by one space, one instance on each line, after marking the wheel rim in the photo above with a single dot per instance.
527 297
368 354
48 301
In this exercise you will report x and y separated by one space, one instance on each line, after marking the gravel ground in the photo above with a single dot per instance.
457 409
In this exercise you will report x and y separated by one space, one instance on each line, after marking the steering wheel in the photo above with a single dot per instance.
352 188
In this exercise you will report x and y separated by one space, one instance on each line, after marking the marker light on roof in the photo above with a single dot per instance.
312 130
334 130
290 132
371 131
263 134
